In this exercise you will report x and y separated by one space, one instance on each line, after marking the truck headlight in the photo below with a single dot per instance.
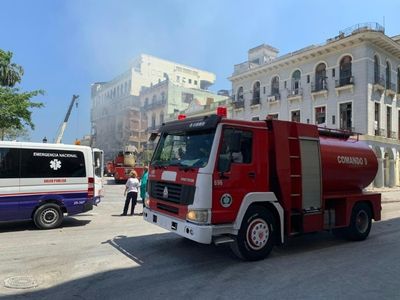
198 216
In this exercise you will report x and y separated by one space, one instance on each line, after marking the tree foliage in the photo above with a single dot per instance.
15 105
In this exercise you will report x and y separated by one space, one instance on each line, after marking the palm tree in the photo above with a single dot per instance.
10 73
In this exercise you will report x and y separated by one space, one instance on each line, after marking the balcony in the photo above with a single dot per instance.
380 132
255 101
379 83
390 89
295 94
344 83
274 98
238 104
155 104
319 89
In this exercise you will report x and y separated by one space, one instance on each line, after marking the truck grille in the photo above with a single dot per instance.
177 193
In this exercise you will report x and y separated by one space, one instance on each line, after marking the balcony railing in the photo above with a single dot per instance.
274 97
238 104
391 86
379 80
343 81
255 101
295 92
317 87
154 104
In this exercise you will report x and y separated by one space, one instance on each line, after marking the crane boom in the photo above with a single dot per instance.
64 124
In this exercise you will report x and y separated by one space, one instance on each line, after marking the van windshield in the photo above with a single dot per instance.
184 149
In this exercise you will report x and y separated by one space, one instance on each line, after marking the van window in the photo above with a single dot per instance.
9 158
52 163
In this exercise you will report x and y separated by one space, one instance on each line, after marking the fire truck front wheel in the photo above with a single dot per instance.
256 236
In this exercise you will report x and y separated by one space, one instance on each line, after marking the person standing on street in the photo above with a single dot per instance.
131 192
143 184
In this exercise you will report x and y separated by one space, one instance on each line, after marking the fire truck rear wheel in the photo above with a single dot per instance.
48 216
256 236
360 222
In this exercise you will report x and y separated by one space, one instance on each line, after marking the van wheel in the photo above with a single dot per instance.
48 216
256 236
360 223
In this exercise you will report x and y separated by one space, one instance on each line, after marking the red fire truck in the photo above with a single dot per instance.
123 164
254 184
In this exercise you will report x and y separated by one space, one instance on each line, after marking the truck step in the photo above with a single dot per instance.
223 239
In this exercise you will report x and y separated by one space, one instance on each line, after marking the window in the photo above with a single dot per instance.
240 94
161 118
296 82
345 71
377 73
154 99
308 78
333 72
320 115
388 76
153 121
275 86
190 81
163 96
295 116
398 82
377 121
264 90
389 122
9 163
256 93
52 163
195 82
146 102
272 116
345 115
178 78
236 147
320 77
187 97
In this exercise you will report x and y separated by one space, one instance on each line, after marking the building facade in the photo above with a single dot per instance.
351 82
116 115
162 102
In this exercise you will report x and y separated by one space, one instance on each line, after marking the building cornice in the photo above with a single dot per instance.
333 45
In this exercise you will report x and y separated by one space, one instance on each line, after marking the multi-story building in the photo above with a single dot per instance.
116 117
163 101
351 82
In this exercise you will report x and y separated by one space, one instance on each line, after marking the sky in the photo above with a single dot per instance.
66 45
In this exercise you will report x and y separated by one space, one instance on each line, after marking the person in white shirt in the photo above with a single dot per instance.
131 192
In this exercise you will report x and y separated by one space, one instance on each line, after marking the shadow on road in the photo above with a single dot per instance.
166 266
28 225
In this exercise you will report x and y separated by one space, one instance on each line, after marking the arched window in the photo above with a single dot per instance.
275 86
320 77
240 94
398 81
161 118
388 75
256 93
377 72
153 121
296 82
345 71
163 97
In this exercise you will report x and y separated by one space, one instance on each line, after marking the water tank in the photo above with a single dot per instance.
347 164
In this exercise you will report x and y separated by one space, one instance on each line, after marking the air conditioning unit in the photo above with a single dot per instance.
271 98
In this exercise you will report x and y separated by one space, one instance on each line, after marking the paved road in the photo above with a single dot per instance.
100 255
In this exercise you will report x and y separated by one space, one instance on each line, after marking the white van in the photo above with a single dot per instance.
42 182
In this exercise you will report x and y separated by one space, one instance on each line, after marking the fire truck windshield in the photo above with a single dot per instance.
184 149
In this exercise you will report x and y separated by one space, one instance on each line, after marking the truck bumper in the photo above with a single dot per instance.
199 233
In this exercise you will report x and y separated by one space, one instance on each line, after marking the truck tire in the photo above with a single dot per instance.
48 216
360 223
256 236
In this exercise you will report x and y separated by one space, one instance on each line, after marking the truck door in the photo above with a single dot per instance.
235 173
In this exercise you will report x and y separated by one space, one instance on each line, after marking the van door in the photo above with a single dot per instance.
9 184
98 165
236 172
